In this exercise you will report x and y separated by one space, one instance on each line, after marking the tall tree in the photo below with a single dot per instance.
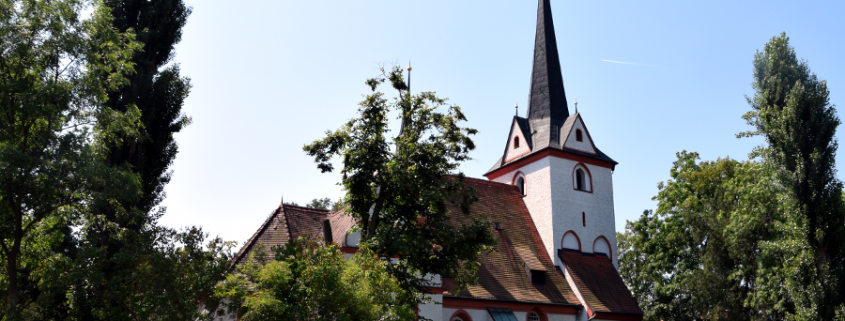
791 109
156 89
400 190
54 71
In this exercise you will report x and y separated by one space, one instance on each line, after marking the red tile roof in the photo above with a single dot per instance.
283 225
503 275
599 283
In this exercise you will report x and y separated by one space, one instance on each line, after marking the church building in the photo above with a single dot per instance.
551 198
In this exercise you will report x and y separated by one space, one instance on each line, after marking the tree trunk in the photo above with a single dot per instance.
12 272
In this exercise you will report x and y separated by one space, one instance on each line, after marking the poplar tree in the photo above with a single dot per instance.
791 109
129 267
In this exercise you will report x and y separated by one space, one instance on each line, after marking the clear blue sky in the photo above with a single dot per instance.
271 76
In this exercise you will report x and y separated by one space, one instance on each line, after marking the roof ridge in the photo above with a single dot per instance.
306 208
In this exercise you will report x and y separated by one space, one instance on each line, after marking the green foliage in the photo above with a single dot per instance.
54 72
79 233
695 258
400 189
309 281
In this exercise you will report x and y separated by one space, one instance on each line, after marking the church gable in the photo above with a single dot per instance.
518 145
576 135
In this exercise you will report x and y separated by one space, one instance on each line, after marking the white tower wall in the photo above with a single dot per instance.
556 206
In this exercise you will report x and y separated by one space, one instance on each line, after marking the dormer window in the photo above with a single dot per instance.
515 142
538 277
578 136
579 179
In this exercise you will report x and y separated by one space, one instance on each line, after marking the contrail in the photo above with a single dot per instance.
626 63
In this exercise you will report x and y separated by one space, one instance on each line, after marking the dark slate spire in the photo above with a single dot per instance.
547 108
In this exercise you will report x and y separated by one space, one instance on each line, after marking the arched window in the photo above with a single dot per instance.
533 316
579 179
516 142
460 315
578 136
520 183
571 241
601 245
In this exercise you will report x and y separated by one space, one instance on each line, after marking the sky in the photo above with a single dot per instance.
651 78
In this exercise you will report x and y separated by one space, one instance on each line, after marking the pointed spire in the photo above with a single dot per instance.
547 98
547 108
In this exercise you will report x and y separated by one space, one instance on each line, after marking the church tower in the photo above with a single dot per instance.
565 180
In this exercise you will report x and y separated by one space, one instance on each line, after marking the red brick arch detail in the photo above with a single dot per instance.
576 237
589 174
610 248
461 314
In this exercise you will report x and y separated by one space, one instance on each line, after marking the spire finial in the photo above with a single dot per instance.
517 109
409 78
576 106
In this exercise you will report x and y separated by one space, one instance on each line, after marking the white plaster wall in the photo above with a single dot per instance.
352 239
225 317
585 145
483 315
561 317
476 315
434 309
568 204
538 199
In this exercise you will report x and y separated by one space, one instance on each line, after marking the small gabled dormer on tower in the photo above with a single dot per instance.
566 181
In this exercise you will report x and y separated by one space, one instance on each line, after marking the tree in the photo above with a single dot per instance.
695 258
54 71
791 109
308 281
325 204
400 191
